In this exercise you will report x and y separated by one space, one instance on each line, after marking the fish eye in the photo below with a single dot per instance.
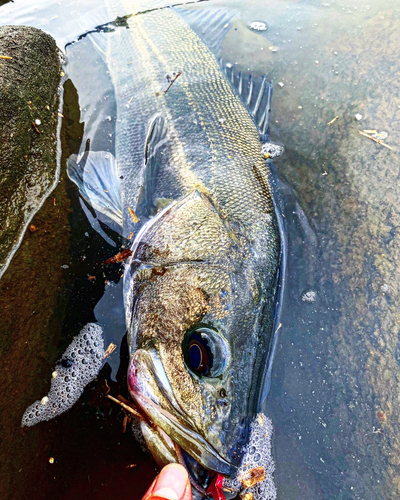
198 355
206 353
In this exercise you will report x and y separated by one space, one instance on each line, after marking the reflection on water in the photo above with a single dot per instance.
334 399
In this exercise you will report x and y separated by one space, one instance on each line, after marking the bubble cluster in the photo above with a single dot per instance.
78 366
309 296
257 456
258 26
272 150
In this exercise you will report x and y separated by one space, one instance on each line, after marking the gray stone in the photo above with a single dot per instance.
29 96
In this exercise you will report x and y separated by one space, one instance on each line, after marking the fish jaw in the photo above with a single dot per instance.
155 398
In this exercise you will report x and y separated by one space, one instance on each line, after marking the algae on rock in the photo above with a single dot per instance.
29 103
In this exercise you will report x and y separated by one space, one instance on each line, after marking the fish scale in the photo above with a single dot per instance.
160 43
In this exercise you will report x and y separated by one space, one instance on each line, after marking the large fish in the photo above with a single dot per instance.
203 285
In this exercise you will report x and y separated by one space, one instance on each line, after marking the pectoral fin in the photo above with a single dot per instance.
97 177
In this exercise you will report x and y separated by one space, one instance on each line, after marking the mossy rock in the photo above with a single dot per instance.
29 102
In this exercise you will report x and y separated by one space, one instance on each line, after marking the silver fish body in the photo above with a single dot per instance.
200 287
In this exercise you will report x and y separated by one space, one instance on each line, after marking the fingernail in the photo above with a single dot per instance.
171 482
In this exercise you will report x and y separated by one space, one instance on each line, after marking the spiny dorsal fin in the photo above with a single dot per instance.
211 25
255 93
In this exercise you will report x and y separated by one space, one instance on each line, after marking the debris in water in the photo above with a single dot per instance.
91 278
35 128
131 466
110 349
38 122
5 57
172 80
51 460
32 228
273 49
358 117
372 138
258 26
133 215
271 150
126 407
333 120
381 417
252 477
281 84
120 257
309 296
379 135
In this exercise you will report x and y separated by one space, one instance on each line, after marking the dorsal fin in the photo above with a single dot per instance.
211 25
255 93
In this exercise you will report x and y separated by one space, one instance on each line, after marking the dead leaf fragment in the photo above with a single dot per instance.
110 349
120 257
251 477
133 215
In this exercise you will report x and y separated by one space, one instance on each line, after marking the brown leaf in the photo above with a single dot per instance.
120 257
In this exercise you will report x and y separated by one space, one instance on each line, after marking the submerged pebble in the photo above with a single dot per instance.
73 372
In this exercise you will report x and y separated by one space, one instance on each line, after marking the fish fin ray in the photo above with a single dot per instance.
211 25
255 93
96 175
156 139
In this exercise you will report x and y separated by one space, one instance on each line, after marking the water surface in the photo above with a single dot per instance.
334 399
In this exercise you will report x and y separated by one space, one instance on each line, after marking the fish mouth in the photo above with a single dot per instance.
191 449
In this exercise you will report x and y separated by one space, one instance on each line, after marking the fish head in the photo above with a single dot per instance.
196 331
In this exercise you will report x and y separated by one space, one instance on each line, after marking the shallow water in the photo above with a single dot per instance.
334 399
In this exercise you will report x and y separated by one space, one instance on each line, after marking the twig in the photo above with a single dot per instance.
378 141
172 81
110 349
35 128
6 57
333 120
126 407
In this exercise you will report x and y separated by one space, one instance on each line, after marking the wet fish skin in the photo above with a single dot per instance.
206 264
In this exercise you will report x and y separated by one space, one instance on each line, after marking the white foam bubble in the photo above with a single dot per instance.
257 453
271 149
78 366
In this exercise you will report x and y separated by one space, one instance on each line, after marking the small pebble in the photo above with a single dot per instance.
358 116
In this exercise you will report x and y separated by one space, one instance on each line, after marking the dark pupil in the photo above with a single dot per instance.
197 356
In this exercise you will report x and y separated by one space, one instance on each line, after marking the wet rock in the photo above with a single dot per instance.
29 78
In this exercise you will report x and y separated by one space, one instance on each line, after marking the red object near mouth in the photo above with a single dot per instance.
215 488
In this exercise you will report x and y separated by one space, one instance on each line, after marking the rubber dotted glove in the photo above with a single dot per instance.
171 484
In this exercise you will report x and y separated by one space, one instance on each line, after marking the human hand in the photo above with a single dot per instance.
171 484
